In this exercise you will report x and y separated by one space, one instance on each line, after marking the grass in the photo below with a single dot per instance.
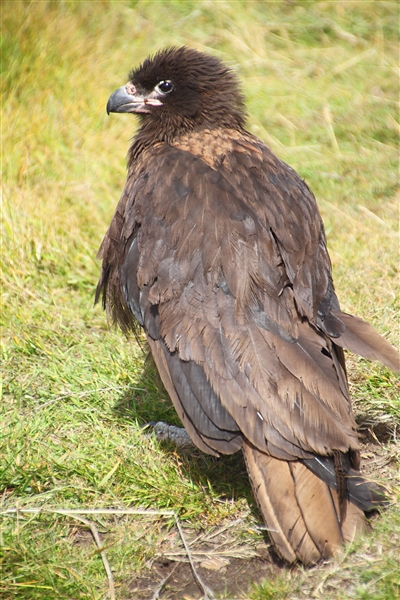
321 89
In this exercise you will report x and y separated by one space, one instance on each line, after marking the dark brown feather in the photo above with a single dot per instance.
361 338
218 251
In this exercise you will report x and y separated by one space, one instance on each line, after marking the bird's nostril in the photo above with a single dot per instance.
130 88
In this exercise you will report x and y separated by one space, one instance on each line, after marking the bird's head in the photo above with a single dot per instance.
181 89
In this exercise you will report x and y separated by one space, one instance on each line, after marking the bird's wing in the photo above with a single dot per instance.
206 266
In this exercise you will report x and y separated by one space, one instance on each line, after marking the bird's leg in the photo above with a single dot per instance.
171 433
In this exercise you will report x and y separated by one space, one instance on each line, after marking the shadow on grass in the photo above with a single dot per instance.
148 400
227 475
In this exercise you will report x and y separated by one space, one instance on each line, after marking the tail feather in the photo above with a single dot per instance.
318 509
273 488
355 523
366 495
361 338
300 510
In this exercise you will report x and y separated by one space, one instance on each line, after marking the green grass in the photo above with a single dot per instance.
321 89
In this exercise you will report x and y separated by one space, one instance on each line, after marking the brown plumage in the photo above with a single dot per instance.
218 251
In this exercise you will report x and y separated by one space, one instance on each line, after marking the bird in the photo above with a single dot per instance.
217 251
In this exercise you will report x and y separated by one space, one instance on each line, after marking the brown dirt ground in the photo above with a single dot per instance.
234 578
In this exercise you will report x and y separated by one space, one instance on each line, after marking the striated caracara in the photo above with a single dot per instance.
218 251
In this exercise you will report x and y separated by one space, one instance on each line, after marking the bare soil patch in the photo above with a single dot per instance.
232 580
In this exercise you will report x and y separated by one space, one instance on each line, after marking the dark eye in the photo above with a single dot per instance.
164 87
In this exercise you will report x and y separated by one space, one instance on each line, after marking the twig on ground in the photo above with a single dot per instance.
83 394
221 530
210 553
106 564
207 591
156 594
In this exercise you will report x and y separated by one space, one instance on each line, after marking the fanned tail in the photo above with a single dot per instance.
301 511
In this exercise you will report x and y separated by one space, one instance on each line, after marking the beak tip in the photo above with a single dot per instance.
109 105
119 101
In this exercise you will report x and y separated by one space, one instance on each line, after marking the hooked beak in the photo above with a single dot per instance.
126 99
